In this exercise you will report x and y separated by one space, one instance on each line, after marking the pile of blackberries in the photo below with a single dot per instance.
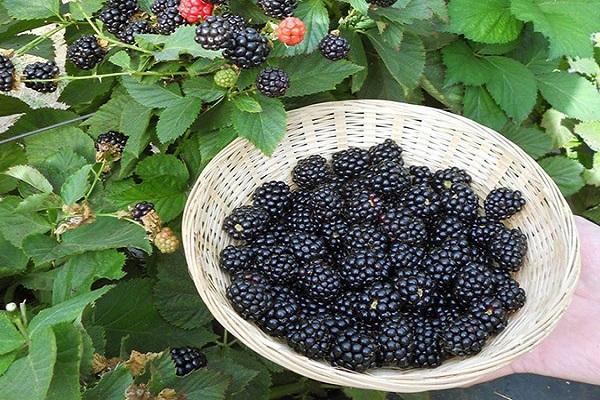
367 262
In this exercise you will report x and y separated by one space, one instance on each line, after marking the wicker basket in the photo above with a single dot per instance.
428 136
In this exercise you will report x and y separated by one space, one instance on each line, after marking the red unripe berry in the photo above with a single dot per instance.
291 31
194 11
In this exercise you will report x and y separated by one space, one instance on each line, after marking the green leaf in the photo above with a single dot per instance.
304 81
39 202
568 24
565 172
31 176
433 82
571 94
177 118
535 142
404 11
592 176
359 5
121 59
552 121
37 119
249 10
316 18
44 49
89 6
175 295
247 104
11 105
239 375
179 42
162 166
78 274
135 120
380 84
66 311
65 380
76 186
112 385
6 361
104 233
152 95
266 129
464 66
105 118
10 338
508 77
203 384
590 133
60 165
121 314
41 147
29 378
162 372
362 394
203 88
358 56
17 226
487 21
258 388
26 10
479 106
12 259
10 154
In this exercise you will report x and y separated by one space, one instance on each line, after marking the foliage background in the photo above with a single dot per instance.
527 68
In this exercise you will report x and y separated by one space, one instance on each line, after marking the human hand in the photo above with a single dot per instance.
572 351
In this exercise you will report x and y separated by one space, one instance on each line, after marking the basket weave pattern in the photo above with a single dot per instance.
429 137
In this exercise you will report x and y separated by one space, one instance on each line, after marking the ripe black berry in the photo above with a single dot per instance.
509 292
161 5
248 49
490 311
428 351
127 35
238 23
421 200
114 20
236 259
334 233
396 343
274 196
378 302
278 320
417 290
463 337
280 268
503 203
141 209
250 295
483 229
272 82
403 227
7 74
460 201
365 237
362 267
311 172
445 178
301 219
441 266
246 222
126 7
187 359
386 151
215 33
388 178
334 47
86 52
449 227
420 175
473 281
363 207
41 71
350 163
306 247
354 350
111 141
404 256
168 21
312 338
508 249
320 281
278 8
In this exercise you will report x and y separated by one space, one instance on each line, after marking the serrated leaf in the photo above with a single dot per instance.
239 376
6 361
265 130
592 175
203 384
112 385
162 165
552 122
362 394
65 380
105 117
10 338
76 185
359 5
433 82
40 147
258 388
203 88
404 11
316 18
484 21
11 105
152 95
26 10
304 81
479 105
508 77
568 24
380 84
535 142
565 172
590 133
89 7
571 94
39 202
31 176
18 226
175 295
60 165
135 120
247 104
179 42
249 10
464 66
10 154
358 56
121 59
121 314
162 372
37 119
12 259
177 118
44 49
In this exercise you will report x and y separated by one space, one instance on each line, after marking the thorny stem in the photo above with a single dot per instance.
100 76
97 177
41 38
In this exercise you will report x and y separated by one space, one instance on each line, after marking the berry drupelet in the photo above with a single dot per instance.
503 203
226 78
246 222
7 74
248 49
86 52
334 47
272 82
127 35
187 359
141 209
41 71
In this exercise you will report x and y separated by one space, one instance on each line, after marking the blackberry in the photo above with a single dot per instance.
168 20
379 302
344 304
483 229
422 201
280 268
187 359
127 35
114 20
111 141
508 248
311 338
396 344
278 320
511 295
440 266
386 151
348 189
41 70
491 313
271 237
236 259
420 175
445 178
406 256
215 33
383 3
274 196
127 7
336 323
417 290
309 308
334 233
306 247
444 310
363 267
311 172
367 237
473 281
7 74
272 82
264 253
161 5
460 201
278 8
250 295
237 22
363 207
464 337
86 52
326 203
350 163
459 249
428 352
246 222
334 47
354 350
450 227
248 49
388 178
141 209
503 203
403 227
301 219
320 281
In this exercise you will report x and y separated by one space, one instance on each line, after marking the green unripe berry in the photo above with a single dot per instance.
226 78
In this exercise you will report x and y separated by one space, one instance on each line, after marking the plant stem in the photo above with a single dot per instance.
287 390
100 76
41 38
97 177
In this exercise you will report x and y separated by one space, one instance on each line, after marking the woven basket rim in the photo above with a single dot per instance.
380 379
